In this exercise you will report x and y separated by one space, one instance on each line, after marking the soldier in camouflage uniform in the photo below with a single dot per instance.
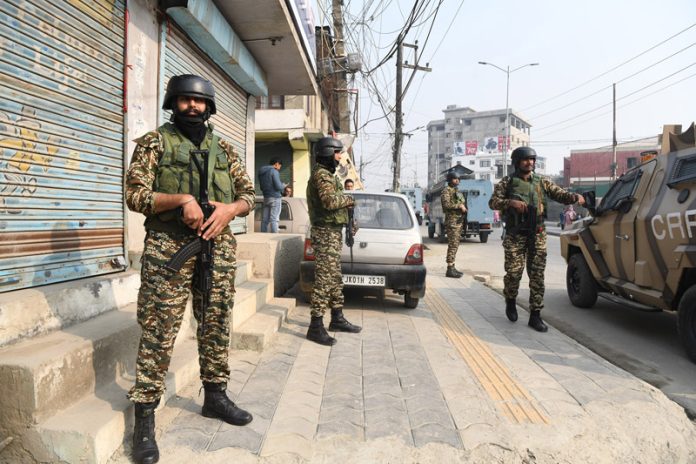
163 185
328 213
454 207
517 196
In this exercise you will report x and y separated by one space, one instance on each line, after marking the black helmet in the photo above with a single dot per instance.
326 147
451 176
520 153
189 85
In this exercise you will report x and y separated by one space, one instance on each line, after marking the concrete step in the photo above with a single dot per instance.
37 311
92 429
245 271
257 332
44 374
250 297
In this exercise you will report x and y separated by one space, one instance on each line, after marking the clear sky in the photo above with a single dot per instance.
573 42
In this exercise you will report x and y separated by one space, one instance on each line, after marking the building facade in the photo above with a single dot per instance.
593 167
476 140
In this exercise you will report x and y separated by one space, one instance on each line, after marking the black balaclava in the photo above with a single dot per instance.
192 127
328 163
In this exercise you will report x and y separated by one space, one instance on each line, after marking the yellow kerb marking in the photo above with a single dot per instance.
508 395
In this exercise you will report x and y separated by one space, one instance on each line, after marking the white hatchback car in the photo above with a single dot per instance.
388 249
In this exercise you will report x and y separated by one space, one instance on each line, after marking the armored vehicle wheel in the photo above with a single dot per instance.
582 288
409 301
687 322
483 237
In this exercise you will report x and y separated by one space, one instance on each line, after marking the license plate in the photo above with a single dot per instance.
363 280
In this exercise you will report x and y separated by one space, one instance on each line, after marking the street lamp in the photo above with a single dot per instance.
507 71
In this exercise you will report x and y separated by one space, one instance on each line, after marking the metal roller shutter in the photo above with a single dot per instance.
61 140
183 57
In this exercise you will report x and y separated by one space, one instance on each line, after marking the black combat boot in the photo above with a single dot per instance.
145 449
536 323
340 324
217 405
452 272
511 309
317 333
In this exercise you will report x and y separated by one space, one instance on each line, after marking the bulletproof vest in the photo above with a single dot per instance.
320 216
530 192
176 173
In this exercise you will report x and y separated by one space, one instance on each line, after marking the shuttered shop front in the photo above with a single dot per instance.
61 140
182 56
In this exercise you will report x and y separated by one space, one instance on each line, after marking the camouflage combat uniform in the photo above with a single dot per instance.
451 199
328 214
163 295
517 245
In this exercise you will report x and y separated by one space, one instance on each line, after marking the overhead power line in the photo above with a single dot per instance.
621 98
625 104
612 69
617 82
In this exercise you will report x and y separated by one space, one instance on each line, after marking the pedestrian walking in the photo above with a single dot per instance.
177 150
569 216
522 197
454 207
272 188
328 213
561 222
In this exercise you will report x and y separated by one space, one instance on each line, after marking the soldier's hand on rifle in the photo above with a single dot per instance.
221 217
519 206
463 208
191 214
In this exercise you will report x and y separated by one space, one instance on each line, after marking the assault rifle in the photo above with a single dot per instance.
203 249
350 239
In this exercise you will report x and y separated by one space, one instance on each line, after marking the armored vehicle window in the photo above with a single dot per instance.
684 170
623 189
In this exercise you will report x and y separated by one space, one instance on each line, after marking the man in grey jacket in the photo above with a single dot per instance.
272 188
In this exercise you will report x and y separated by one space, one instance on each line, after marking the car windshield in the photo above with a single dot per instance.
382 212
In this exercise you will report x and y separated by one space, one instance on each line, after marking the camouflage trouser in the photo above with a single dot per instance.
161 304
516 253
327 293
453 228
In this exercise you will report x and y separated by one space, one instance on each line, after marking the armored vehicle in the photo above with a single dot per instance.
479 217
639 245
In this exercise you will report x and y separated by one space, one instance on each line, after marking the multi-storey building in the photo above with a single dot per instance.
476 140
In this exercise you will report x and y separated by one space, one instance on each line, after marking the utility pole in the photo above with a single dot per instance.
400 92
613 149
341 90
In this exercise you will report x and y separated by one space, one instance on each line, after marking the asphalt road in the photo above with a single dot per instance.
646 344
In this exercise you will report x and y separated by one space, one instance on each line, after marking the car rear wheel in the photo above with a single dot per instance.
483 237
581 285
687 322
409 301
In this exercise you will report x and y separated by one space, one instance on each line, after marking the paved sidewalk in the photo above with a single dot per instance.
452 380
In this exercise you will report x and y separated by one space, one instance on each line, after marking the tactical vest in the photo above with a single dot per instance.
320 216
457 199
530 192
176 173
